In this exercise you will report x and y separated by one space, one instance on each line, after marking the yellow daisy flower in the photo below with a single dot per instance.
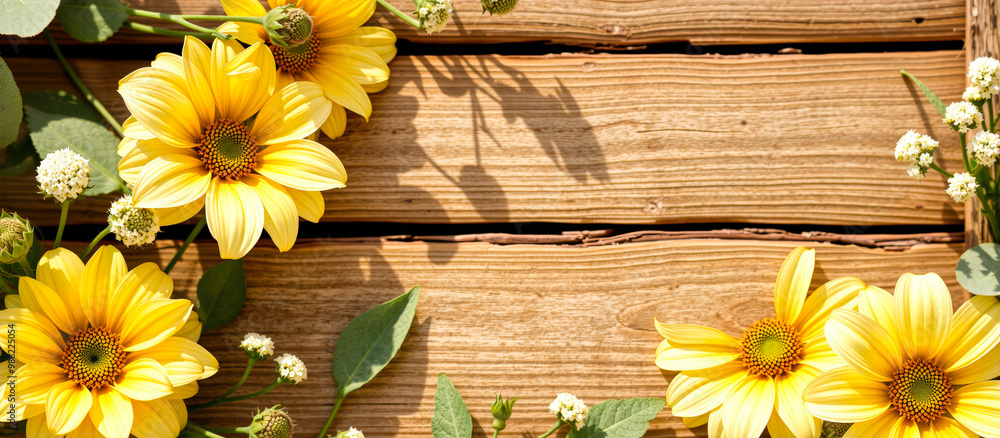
210 128
741 386
346 59
913 368
102 350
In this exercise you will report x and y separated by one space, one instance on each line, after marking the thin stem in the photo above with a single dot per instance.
243 430
965 154
93 243
195 427
559 424
333 413
86 92
251 20
26 267
408 19
496 432
990 215
62 224
181 20
220 401
250 363
989 103
166 32
940 170
194 233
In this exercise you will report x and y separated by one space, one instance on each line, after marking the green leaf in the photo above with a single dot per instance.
10 106
221 292
935 102
370 341
26 18
92 21
451 416
59 121
19 158
626 418
978 269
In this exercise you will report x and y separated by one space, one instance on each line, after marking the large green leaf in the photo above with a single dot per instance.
26 18
221 292
18 158
978 269
369 342
92 21
44 106
10 106
451 416
934 100
627 418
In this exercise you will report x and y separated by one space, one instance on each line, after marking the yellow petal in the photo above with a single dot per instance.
112 413
170 62
976 407
11 301
342 89
974 332
694 347
191 329
777 428
42 300
66 405
34 381
748 408
134 130
171 181
158 100
906 429
144 380
845 396
292 113
241 83
38 427
235 217
944 427
359 63
986 368
878 304
281 219
87 429
693 422
152 321
104 269
184 392
692 393
132 163
38 340
184 361
378 39
336 124
333 18
375 87
922 313
61 270
310 205
715 424
303 165
243 8
835 294
180 410
197 65
818 354
156 419
793 283
788 402
863 344
247 33
880 426
143 283
176 215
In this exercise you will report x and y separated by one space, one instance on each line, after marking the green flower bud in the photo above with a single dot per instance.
498 7
273 422
288 26
835 430
501 412
350 433
16 237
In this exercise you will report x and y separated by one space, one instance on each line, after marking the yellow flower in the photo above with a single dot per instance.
210 129
910 362
101 349
740 386
346 59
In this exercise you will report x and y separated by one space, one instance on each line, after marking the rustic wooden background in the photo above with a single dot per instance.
681 125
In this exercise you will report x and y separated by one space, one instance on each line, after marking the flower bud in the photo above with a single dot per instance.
291 369
350 433
835 430
570 409
16 237
273 422
63 174
498 7
257 346
132 225
434 14
288 26
962 116
962 186
501 412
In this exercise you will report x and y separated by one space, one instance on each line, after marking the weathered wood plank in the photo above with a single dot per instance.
983 36
525 320
635 22
801 139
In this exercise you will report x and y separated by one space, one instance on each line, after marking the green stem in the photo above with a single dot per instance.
62 223
26 267
408 19
194 233
86 92
183 20
195 427
220 401
93 243
989 103
250 363
496 432
244 430
333 413
965 154
940 170
559 424
990 215
166 32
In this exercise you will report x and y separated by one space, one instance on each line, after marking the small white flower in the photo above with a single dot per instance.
257 345
132 225
63 174
351 433
915 171
962 116
975 94
911 145
985 148
962 186
984 73
291 368
434 14
569 409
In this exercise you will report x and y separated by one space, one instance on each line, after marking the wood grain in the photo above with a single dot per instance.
525 320
983 39
803 139
638 22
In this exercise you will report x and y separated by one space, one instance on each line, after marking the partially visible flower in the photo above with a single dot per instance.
918 149
984 73
350 433
273 422
257 346
975 95
132 225
569 409
498 7
16 237
835 430
502 409
914 170
434 14
961 186
985 148
63 174
291 368
288 26
962 116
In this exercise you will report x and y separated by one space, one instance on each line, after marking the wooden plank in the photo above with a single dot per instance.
524 320
983 36
803 139
632 22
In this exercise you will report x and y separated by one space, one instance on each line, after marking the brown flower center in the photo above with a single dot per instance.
770 347
296 59
93 357
228 150
920 390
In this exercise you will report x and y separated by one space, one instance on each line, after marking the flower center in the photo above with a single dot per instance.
920 390
11 231
770 347
228 150
93 357
295 59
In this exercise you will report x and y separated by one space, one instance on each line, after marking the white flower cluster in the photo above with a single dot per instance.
63 174
291 368
975 95
984 74
962 186
351 433
569 409
962 116
132 225
985 148
918 150
434 14
257 345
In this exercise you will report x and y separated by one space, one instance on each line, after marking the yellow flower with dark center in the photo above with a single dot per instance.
346 59
210 129
741 386
914 369
101 350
